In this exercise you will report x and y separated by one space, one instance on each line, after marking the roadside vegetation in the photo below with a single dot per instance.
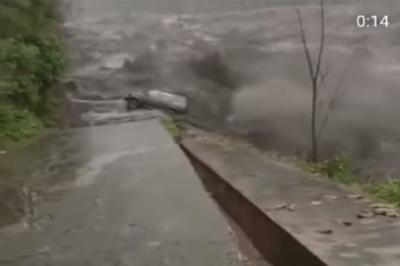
339 169
343 171
174 128
31 63
389 192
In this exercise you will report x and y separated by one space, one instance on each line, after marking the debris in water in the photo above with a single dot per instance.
381 205
393 214
325 231
365 214
344 222
385 210
3 152
355 196
283 206
331 197
316 203
291 207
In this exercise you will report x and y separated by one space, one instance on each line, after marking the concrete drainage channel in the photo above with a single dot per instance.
273 243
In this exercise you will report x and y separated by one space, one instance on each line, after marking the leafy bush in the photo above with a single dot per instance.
50 68
31 63
30 68
16 124
25 17
19 61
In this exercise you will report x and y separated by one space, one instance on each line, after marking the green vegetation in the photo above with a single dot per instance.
389 192
339 169
16 124
174 128
31 64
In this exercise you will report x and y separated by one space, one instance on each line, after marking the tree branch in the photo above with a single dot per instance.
322 42
337 90
323 75
305 44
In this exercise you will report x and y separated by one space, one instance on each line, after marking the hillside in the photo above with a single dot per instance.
30 64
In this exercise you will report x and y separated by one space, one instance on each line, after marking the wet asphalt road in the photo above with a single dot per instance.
121 195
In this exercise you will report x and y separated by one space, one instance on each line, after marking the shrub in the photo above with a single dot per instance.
19 62
16 124
50 68
31 63
25 17
30 68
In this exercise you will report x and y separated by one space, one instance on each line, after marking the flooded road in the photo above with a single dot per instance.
241 65
121 195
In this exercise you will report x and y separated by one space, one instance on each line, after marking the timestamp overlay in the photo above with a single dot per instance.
372 21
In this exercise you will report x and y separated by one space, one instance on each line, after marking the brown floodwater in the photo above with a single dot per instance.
242 67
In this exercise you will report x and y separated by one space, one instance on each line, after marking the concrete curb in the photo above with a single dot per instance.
276 245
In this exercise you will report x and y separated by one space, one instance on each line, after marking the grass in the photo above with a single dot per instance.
339 169
175 129
389 192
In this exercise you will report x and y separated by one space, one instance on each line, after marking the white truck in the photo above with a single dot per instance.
156 99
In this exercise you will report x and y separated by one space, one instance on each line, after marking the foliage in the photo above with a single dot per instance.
339 169
389 192
31 63
25 17
175 129
16 124
29 70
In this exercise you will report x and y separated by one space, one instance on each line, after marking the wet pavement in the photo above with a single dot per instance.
134 200
323 217
96 195
119 194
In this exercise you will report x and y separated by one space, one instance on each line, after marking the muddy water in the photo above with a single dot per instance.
240 65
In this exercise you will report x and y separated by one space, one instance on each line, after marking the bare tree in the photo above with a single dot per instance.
315 75
319 118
